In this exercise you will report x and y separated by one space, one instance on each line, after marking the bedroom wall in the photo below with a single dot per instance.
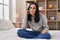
12 10
17 10
20 9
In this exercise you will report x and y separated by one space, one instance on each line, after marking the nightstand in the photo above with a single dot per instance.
17 24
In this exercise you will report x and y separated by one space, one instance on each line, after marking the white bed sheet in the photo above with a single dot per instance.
12 35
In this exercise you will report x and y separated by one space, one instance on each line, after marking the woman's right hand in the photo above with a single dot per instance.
26 12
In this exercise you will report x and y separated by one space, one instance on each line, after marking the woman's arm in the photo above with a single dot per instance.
44 24
24 23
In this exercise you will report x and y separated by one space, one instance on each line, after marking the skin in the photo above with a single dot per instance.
32 11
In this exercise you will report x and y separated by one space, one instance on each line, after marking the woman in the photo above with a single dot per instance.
37 22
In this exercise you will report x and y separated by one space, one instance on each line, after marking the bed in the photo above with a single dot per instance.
10 33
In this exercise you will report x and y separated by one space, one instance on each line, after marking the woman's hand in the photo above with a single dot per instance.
26 12
44 31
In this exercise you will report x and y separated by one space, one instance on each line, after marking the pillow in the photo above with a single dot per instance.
6 24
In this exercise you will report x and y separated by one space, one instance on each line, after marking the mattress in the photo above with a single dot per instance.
12 35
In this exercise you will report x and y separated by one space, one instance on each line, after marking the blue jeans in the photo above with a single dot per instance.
32 34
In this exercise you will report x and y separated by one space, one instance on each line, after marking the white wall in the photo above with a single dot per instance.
12 12
20 8
17 7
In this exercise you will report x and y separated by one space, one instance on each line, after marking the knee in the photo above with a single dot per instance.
19 32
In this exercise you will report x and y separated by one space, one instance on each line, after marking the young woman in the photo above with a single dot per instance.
37 22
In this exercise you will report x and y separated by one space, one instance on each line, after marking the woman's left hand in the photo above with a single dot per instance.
43 31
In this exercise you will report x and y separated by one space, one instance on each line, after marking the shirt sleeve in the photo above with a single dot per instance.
24 23
44 23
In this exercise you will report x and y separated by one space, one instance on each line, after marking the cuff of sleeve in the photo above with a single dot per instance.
46 29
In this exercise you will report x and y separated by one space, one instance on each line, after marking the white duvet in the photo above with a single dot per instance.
9 32
9 35
12 35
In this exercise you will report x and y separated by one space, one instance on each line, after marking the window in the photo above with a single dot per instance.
1 1
4 9
1 11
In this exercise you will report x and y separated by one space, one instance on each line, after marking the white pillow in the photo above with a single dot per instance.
6 24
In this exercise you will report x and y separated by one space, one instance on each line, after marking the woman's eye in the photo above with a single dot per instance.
33 7
30 7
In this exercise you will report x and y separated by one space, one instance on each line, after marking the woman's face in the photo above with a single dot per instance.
32 9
